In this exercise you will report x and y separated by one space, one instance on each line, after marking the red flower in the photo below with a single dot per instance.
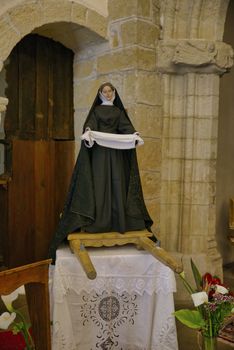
216 280
207 278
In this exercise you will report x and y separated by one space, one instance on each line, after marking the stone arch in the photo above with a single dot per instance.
196 19
24 17
18 19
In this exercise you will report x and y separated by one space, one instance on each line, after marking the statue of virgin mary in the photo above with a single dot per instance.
105 193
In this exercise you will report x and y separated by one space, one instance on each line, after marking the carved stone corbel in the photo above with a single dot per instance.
197 55
3 103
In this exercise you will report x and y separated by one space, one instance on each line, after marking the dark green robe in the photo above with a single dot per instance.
105 193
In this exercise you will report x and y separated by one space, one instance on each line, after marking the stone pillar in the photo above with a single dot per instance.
191 70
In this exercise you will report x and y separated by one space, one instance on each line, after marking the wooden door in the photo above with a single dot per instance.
39 128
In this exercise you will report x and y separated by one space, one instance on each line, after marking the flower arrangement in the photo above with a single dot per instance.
9 318
214 304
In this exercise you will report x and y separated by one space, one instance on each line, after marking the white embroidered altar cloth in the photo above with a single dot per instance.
128 306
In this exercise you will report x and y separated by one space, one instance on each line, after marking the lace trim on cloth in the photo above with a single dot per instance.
121 273
62 283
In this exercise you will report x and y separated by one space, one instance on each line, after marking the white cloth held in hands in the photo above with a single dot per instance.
117 141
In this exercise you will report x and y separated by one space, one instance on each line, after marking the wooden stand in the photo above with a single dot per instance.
79 241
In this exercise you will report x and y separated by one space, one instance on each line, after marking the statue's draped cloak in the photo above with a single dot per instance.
105 192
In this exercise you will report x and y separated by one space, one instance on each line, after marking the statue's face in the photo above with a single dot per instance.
108 92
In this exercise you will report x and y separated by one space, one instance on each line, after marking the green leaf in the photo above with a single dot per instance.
15 330
190 318
20 325
186 284
196 275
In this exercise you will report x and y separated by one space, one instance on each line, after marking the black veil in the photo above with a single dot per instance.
117 102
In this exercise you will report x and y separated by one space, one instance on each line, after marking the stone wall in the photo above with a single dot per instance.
165 58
